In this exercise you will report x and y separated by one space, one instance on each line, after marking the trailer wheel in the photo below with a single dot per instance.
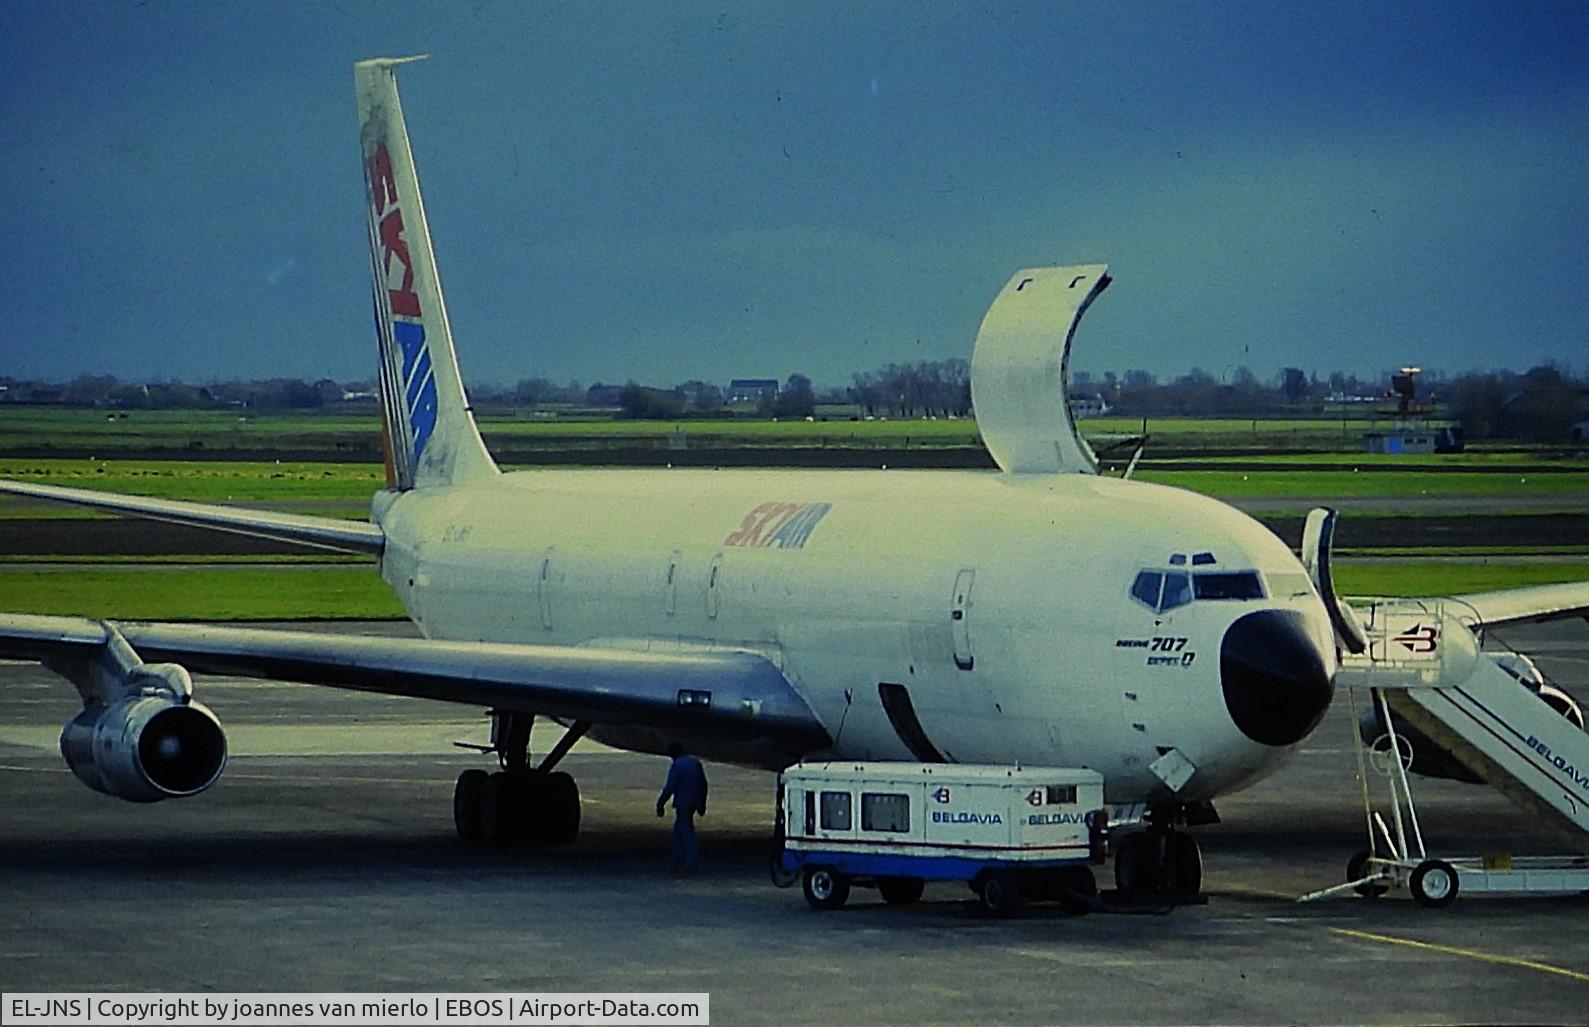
900 891
825 888
1076 889
1357 868
1434 883
998 892
782 876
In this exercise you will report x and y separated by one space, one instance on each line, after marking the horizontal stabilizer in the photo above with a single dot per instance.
324 532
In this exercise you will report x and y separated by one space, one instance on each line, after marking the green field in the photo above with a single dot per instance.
328 490
188 592
242 592
207 587
357 430
288 485
1393 578
1336 484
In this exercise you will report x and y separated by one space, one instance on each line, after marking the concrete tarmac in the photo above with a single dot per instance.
325 860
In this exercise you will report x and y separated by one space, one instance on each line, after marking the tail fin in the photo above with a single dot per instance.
430 435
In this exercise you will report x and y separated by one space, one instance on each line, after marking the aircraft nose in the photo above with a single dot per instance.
1276 679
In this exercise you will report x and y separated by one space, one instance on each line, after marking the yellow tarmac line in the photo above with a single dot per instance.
1452 950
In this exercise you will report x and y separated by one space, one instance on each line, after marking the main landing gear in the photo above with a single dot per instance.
1162 862
519 803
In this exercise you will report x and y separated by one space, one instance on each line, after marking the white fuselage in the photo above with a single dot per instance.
1001 604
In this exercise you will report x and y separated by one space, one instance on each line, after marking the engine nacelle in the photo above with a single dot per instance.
145 748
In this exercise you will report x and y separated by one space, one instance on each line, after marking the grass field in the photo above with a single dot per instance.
1393 578
43 428
242 592
188 592
292 485
1339 484
272 588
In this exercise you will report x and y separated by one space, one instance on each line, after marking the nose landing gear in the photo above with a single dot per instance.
519 802
1163 862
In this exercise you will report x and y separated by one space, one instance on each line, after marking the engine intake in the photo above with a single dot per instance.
145 748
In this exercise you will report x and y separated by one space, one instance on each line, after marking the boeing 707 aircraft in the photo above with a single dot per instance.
1045 615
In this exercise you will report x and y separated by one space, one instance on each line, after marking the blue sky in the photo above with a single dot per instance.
668 191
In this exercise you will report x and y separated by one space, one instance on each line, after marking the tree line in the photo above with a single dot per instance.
1544 402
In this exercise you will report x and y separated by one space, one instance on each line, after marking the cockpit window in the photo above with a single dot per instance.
1177 591
1227 585
1161 590
1288 585
1146 588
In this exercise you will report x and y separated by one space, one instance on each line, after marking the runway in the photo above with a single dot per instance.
325 860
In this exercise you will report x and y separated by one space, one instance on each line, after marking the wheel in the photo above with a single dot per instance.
1076 889
825 888
467 800
502 812
782 876
1434 883
900 891
1138 867
1183 864
999 893
1358 868
554 808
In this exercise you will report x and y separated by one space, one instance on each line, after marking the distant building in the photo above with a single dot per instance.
599 395
752 390
1580 431
1399 440
1413 439
1087 404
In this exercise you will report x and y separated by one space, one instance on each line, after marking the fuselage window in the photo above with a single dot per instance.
1228 585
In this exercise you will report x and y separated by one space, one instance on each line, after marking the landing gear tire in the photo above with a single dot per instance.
1433 884
900 891
998 893
825 888
502 809
1183 864
1357 868
467 800
1076 890
1139 868
554 808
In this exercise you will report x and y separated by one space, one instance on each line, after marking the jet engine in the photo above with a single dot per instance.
152 745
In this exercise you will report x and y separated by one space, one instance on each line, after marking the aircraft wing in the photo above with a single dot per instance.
734 694
325 532
1527 605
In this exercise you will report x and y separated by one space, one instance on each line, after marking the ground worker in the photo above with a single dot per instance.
686 786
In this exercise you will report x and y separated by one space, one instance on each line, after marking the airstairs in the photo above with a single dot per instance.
1424 663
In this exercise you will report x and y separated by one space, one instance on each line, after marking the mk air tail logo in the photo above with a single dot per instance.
395 270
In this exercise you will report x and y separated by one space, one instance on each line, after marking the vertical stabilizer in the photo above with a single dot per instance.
1020 370
430 434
